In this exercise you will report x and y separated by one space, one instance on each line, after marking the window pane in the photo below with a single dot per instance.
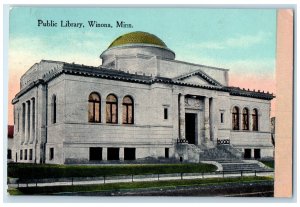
111 98
127 100
108 114
130 115
97 112
91 112
114 113
124 114
94 97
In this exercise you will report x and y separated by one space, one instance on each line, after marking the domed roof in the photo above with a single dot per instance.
138 38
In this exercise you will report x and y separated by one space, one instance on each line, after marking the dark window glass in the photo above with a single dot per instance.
21 154
165 113
222 118
129 153
113 153
51 154
54 109
95 153
25 156
257 153
247 153
166 152
30 154
9 154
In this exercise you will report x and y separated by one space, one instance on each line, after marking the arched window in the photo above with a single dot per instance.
245 119
127 110
53 109
235 118
255 120
111 109
94 107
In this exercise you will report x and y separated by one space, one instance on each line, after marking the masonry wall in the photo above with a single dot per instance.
149 131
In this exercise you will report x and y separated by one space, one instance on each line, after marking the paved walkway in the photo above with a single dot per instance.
136 178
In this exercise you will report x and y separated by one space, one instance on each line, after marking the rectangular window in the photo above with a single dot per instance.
25 156
113 153
129 153
257 153
166 152
51 154
247 153
165 113
222 117
21 154
95 153
9 154
30 154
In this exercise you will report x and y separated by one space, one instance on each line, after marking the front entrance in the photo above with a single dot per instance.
190 127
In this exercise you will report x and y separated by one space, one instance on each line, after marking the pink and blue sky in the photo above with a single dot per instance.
242 40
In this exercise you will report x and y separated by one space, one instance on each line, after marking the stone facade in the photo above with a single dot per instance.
180 109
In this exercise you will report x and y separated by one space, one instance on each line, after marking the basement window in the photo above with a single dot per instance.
51 154
129 153
95 153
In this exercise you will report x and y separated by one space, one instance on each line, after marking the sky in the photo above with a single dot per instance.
241 40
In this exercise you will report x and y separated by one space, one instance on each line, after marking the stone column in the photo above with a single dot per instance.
104 153
206 119
182 117
121 153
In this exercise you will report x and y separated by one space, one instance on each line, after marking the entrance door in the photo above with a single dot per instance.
190 127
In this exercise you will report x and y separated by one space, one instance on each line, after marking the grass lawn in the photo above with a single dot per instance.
34 171
269 163
134 185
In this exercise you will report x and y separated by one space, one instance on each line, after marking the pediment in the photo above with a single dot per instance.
198 78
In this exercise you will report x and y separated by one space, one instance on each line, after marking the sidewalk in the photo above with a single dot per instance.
135 178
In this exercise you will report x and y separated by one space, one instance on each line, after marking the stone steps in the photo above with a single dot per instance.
242 166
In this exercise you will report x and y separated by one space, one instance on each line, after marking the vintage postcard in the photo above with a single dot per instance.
147 101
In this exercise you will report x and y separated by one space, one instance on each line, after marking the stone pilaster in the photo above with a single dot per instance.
104 153
182 117
119 111
103 110
214 115
250 121
206 119
121 153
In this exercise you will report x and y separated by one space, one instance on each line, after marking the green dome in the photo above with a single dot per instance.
138 38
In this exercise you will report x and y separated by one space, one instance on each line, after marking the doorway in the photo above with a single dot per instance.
190 127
